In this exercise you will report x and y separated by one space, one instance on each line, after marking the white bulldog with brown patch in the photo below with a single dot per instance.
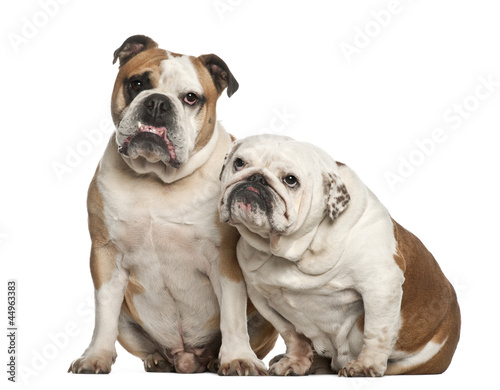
326 264
167 282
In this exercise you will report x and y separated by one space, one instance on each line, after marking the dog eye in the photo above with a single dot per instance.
190 98
238 164
136 85
291 181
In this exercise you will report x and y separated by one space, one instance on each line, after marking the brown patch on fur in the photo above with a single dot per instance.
213 323
429 308
336 193
146 61
274 241
298 345
450 327
228 262
262 334
208 110
103 252
400 261
360 322
134 287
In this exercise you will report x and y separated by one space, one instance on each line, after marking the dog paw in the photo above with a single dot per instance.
213 365
358 368
156 363
243 367
290 365
96 363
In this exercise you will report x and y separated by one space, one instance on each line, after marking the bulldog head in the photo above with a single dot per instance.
163 104
274 187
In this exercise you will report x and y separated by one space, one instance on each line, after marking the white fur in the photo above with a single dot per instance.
162 221
101 352
155 228
322 274
404 360
179 77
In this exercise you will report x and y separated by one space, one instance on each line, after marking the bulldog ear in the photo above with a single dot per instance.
131 47
337 195
221 75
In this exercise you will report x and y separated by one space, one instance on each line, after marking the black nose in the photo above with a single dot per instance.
157 106
258 178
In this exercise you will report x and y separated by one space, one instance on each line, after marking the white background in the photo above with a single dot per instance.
419 68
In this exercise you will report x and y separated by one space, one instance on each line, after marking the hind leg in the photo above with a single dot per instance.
135 340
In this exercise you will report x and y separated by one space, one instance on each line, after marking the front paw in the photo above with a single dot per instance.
290 365
95 363
156 363
359 368
243 367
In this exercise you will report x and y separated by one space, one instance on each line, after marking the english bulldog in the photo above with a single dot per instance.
326 264
167 282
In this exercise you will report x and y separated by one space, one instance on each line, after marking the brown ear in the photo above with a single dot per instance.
337 196
221 75
131 47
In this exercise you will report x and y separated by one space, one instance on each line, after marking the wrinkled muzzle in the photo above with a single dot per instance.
254 203
152 143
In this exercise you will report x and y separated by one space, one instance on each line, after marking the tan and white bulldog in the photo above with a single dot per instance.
326 264
167 282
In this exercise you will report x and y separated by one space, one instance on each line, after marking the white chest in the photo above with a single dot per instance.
143 215
323 307
169 242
